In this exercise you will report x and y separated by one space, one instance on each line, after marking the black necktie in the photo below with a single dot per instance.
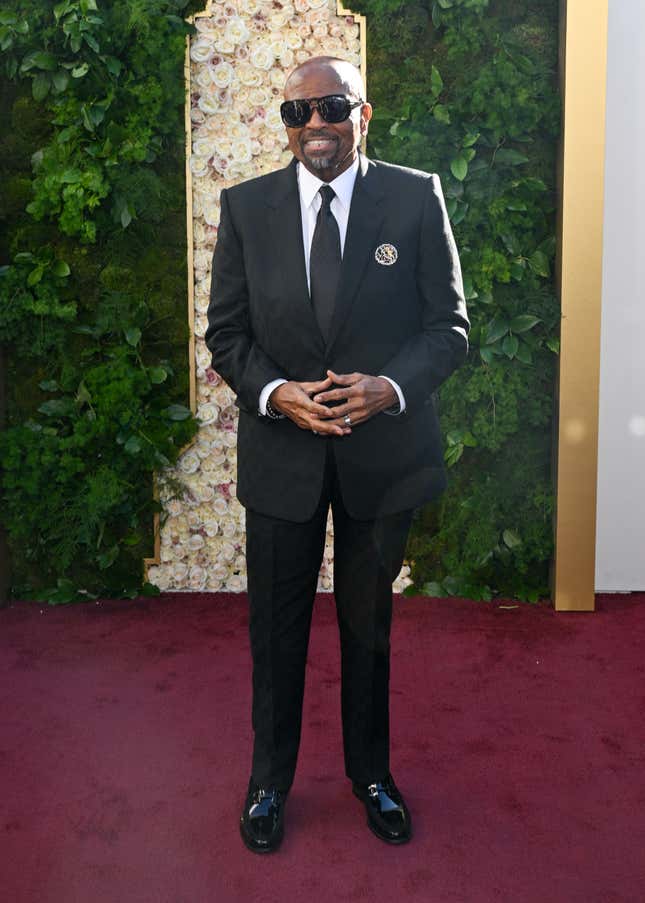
324 262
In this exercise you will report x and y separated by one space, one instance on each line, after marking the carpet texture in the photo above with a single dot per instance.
518 740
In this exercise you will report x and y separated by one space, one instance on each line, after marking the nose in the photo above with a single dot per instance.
316 120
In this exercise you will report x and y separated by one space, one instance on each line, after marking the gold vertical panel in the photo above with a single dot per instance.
583 75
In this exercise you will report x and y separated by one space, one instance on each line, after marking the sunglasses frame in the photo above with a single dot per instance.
314 104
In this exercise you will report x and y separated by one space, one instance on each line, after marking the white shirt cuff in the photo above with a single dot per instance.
265 394
399 395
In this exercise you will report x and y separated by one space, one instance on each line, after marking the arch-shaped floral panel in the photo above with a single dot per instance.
236 65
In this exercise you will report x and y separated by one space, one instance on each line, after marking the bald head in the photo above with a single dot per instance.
347 77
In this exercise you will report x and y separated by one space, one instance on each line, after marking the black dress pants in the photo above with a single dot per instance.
283 561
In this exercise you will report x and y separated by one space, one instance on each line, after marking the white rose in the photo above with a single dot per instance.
197 577
198 165
189 462
195 542
219 572
166 554
236 31
203 355
293 40
229 530
220 506
258 97
197 116
200 326
301 6
201 50
199 232
160 576
203 77
249 8
209 102
287 58
201 304
222 75
179 573
241 150
320 32
262 57
224 46
249 76
230 439
276 77
174 507
274 120
210 212
302 56
236 584
211 527
227 551
237 130
316 4
207 413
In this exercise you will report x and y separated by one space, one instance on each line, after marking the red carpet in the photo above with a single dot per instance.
518 738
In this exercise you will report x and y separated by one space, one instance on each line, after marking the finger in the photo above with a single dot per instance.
311 387
329 428
309 408
344 379
336 395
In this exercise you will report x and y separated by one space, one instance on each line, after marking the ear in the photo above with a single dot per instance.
366 115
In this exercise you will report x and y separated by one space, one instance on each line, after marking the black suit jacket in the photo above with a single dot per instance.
407 321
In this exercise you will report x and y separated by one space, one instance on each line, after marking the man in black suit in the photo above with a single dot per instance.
336 311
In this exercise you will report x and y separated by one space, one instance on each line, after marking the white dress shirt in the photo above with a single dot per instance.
309 187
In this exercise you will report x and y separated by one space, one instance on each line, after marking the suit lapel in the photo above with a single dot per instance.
366 216
285 227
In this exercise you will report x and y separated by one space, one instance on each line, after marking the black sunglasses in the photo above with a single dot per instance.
332 108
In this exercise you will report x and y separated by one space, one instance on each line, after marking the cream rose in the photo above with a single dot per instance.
222 75
262 57
201 50
236 31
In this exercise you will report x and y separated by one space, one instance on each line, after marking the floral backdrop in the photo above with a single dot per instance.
239 60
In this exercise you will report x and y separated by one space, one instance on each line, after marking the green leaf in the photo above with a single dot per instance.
486 355
524 354
43 60
510 156
436 81
40 86
61 269
433 588
133 446
36 275
106 559
150 589
496 329
177 412
91 41
445 4
459 168
470 139
553 345
157 375
133 336
523 323
441 114
539 263
49 385
80 71
510 344
60 80
57 407
511 539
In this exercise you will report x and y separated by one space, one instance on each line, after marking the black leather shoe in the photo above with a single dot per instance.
387 814
262 822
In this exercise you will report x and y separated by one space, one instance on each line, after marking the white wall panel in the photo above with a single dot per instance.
620 538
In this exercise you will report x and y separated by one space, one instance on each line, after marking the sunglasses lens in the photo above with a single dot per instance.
335 108
295 113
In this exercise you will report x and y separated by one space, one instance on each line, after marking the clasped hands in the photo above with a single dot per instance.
306 403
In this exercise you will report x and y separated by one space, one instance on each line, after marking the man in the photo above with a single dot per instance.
336 311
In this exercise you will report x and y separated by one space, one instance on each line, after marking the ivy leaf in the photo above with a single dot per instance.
523 323
539 263
510 156
459 168
511 539
133 336
60 80
133 445
40 85
496 329
177 412
157 375
61 269
436 81
510 344
441 114
57 407
524 354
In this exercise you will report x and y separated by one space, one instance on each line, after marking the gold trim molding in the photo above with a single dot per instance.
583 72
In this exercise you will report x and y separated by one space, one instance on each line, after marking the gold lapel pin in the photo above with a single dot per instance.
386 255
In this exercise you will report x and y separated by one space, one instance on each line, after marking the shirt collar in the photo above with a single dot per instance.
343 185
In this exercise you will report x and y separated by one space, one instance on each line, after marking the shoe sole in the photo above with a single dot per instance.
262 849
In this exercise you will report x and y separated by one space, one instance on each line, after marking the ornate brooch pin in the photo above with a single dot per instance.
386 255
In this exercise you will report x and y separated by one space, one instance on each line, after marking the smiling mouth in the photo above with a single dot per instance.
319 145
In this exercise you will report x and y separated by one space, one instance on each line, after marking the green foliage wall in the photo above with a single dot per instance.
468 89
93 287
